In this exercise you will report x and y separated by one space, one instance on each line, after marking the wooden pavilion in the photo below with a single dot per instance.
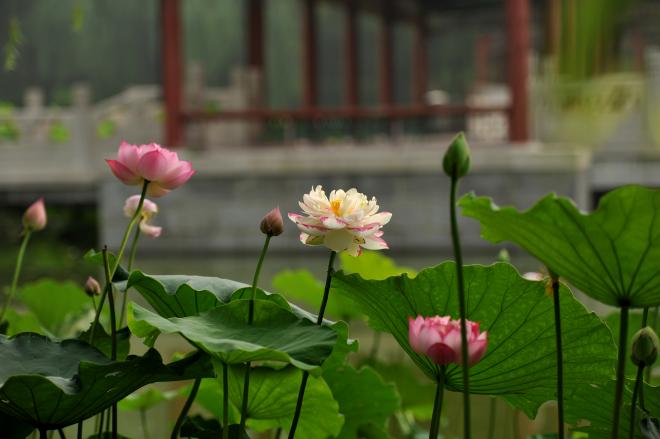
416 12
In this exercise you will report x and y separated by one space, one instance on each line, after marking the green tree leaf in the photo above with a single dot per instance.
55 384
610 254
519 364
275 335
364 399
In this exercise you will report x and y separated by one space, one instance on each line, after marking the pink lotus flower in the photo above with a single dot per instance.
34 217
440 339
347 221
149 209
160 166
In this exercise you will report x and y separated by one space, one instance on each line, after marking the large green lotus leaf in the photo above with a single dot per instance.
610 254
180 295
373 265
594 404
519 364
272 401
56 305
12 428
364 399
103 341
55 384
276 334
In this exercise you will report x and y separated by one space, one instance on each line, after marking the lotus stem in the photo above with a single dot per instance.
143 421
560 356
225 402
491 419
120 253
620 371
61 433
461 306
113 328
639 382
129 267
17 272
186 408
255 281
43 433
319 321
437 406
80 430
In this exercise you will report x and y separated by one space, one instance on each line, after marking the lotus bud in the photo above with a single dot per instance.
34 218
92 287
272 224
644 347
457 158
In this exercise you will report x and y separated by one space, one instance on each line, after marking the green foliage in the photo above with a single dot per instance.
276 334
594 403
519 364
364 399
105 129
61 308
146 399
103 341
55 384
609 254
13 45
373 265
59 133
200 428
181 295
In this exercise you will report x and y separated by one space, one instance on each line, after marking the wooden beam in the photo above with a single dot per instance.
255 34
172 65
518 43
386 91
310 65
352 73
420 58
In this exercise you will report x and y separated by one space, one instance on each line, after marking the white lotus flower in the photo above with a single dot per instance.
149 209
347 221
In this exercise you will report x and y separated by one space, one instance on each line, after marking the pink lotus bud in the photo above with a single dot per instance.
92 287
34 217
149 209
272 224
440 339
160 166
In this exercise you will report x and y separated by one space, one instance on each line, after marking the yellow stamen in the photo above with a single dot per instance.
334 206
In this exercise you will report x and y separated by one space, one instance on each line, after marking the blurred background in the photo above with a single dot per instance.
269 97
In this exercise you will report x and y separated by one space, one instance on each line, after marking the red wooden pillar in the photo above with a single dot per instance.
351 73
518 43
310 83
386 55
420 59
255 34
172 65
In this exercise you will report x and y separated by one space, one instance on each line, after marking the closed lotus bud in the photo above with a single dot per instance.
92 287
457 158
644 347
34 218
272 224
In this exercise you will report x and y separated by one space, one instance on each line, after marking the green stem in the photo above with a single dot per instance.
620 371
437 406
633 406
61 432
100 426
113 328
375 346
255 282
225 402
516 424
186 408
17 272
491 419
645 317
319 321
143 421
80 430
120 254
560 358
461 307
43 433
654 325
129 267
